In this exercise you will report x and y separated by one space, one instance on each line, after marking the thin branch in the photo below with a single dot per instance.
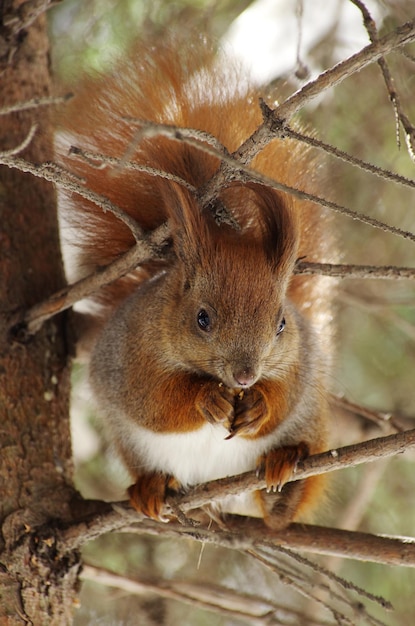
246 607
299 583
244 534
401 36
312 586
94 519
388 272
330 78
333 206
237 170
150 248
347 158
394 97
55 174
340 458
21 146
301 71
99 161
346 585
377 417
35 103
192 136
25 14
98 518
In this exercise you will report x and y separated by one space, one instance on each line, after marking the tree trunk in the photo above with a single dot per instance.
37 583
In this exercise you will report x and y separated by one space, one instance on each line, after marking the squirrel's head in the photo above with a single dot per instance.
231 319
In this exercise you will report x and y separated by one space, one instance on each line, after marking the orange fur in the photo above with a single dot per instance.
199 350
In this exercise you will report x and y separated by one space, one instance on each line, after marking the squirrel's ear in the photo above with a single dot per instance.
189 227
279 227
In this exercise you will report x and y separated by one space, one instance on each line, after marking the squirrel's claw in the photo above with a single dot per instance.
279 464
215 402
251 413
148 494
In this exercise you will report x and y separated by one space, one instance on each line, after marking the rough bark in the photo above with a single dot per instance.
36 582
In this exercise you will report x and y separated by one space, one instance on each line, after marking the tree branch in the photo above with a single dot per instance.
388 272
25 14
273 125
234 168
245 607
99 161
57 175
394 97
347 158
35 103
340 458
240 533
149 248
97 518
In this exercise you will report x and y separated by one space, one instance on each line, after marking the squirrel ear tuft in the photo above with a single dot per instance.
279 227
189 226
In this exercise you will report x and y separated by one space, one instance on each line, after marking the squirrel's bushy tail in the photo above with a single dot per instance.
181 85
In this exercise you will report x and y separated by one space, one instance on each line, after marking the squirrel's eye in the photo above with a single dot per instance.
203 320
281 326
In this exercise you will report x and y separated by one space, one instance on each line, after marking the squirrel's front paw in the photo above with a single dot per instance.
148 493
251 413
215 402
279 464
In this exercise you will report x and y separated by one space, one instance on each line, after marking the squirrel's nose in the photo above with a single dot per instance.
245 377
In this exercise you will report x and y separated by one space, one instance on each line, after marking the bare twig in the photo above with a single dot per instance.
298 584
346 585
236 170
25 14
389 272
348 456
284 112
347 158
312 588
301 70
55 174
247 533
35 103
401 116
99 161
21 146
240 534
244 534
149 248
192 136
226 601
378 417
401 36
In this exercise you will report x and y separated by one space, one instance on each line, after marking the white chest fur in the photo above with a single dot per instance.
198 456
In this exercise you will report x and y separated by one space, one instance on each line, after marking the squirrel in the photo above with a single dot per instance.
214 362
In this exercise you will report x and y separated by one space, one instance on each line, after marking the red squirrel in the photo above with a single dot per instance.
215 362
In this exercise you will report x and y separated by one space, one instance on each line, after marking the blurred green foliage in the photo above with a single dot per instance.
89 36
